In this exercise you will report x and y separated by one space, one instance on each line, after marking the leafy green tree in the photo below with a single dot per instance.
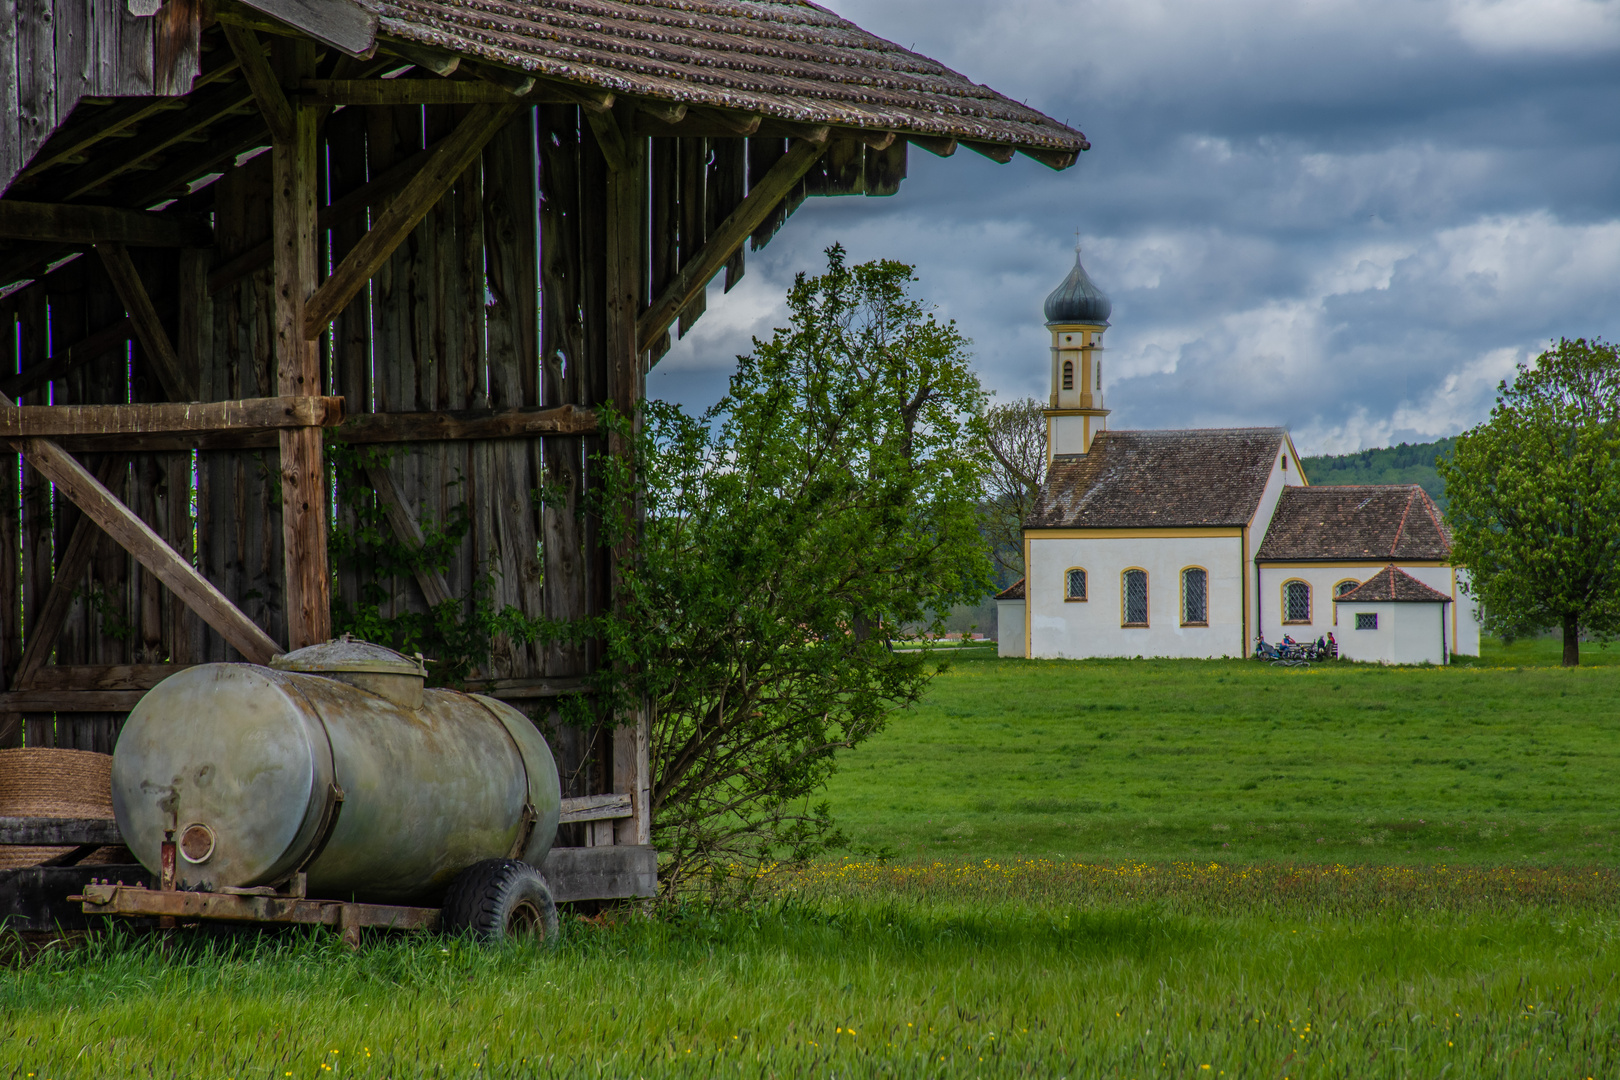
1535 498
830 497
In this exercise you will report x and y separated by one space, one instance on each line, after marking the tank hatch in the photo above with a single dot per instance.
376 668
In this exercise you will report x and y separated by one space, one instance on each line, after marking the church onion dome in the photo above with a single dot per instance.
1078 300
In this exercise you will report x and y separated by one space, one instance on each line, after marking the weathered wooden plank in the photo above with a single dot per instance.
261 79
726 188
694 275
51 421
101 676
179 385
11 157
407 208
140 540
69 701
350 346
520 689
513 469
11 516
66 223
562 354
580 808
332 93
343 24
36 115
692 209
239 509
57 832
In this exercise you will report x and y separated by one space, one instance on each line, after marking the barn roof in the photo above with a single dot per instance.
787 59
1142 479
1392 584
1355 522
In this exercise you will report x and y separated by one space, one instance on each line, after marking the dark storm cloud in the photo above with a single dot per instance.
1352 218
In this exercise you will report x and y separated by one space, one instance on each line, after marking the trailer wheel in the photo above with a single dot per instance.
501 900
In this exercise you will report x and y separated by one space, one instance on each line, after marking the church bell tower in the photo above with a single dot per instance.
1076 314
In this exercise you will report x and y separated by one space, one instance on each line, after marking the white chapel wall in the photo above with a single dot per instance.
1075 630
1462 628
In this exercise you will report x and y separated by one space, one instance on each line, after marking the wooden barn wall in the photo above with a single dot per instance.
55 52
497 299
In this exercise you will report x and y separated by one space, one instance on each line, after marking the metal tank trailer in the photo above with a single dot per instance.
332 787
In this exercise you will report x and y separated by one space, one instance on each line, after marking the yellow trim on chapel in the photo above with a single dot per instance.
1131 534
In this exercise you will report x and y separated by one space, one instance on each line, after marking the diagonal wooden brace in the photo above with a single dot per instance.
694 277
455 153
137 537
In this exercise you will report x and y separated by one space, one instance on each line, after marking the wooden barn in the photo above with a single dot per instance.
246 242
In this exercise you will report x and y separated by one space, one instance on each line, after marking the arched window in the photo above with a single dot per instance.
1134 589
1195 596
1339 589
1074 583
1296 602
1068 374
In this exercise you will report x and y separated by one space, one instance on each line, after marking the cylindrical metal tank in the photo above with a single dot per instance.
322 765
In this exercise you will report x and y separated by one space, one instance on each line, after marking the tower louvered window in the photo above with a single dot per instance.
1136 598
1074 584
1296 602
1068 374
1194 596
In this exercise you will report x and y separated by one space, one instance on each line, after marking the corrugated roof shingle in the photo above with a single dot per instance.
1393 584
1360 521
787 59
1143 479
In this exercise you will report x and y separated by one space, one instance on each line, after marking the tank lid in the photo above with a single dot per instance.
348 654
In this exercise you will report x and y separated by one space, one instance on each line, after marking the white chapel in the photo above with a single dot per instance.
1196 543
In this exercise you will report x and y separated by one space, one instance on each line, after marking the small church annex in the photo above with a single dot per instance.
1198 543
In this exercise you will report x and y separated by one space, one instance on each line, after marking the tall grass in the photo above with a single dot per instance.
957 970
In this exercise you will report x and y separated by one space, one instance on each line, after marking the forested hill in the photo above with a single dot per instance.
1408 463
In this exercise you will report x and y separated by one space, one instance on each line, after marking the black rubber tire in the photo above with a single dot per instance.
500 900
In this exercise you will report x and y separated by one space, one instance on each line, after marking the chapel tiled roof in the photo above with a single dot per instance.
1393 583
1015 591
1398 522
1142 479
787 59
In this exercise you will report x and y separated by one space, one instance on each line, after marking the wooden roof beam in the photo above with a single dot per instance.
694 277
342 24
70 224
168 417
439 61
515 83
1052 159
525 422
394 224
137 537
936 145
996 152
261 78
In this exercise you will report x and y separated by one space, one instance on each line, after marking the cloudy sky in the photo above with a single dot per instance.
1352 217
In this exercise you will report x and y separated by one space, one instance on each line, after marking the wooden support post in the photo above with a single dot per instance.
177 384
626 389
307 589
726 240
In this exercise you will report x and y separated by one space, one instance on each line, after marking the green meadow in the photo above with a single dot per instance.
1131 869
1504 759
